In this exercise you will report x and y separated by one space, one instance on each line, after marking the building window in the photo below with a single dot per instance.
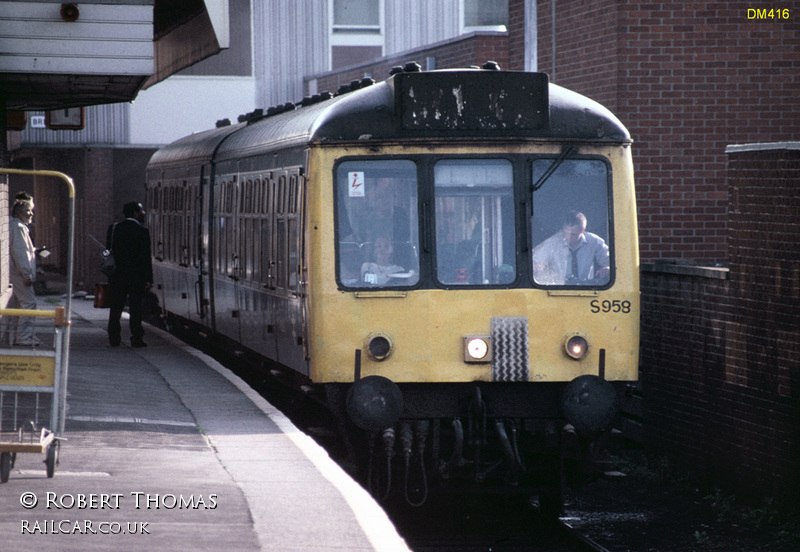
356 16
356 34
485 15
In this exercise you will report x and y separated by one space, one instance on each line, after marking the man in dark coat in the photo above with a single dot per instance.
130 243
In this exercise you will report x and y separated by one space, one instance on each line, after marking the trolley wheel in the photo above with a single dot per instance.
5 466
52 459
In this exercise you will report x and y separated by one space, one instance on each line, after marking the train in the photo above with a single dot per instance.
448 258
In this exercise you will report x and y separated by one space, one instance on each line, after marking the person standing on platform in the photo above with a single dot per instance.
23 267
130 243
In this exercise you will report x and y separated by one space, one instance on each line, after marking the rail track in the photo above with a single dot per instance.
481 522
584 543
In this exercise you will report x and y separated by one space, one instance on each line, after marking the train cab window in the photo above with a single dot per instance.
570 231
377 225
474 209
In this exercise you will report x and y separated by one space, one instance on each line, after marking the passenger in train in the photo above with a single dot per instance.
572 256
381 215
130 243
23 267
382 269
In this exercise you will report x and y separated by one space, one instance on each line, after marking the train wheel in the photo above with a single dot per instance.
5 466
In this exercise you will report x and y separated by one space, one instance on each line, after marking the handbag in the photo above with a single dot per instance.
101 296
107 263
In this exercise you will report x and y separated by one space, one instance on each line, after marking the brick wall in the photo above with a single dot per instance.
95 213
687 79
5 295
516 35
721 354
585 46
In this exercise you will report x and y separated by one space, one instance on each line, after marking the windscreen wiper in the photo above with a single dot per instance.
552 168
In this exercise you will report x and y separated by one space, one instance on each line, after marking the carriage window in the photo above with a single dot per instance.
475 238
570 224
377 226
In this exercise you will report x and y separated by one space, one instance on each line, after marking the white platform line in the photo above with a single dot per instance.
127 420
377 527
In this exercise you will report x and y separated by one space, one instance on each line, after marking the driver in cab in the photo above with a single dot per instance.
572 256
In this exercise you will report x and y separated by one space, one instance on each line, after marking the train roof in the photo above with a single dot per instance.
466 103
199 147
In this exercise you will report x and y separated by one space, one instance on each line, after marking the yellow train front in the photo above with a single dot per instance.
445 284
450 255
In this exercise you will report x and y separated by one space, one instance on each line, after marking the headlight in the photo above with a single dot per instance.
379 346
477 348
576 346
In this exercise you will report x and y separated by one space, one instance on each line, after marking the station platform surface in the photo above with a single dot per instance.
167 450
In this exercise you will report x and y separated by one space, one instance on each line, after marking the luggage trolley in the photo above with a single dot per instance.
29 375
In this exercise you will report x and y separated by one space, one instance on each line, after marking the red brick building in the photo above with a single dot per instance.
720 348
687 79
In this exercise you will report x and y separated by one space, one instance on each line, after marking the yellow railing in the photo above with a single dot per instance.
59 315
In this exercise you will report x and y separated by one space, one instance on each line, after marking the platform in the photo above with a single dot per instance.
167 450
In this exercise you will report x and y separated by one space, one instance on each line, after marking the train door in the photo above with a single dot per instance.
208 245
179 210
184 255
198 240
265 228
170 206
226 266
254 313
288 266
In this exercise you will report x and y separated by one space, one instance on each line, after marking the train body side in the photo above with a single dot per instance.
218 262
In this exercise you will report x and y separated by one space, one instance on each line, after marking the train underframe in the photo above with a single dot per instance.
481 433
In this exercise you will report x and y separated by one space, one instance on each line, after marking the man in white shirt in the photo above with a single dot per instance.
23 267
572 256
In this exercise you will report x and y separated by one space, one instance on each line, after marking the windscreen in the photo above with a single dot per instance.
377 224
570 223
474 211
